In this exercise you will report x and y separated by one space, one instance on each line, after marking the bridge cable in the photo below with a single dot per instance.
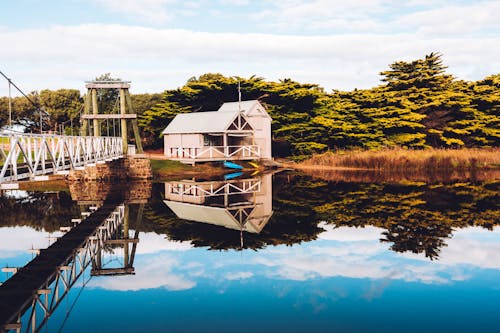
68 312
38 106
10 104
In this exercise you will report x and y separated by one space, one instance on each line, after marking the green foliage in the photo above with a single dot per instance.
418 106
63 105
289 103
107 99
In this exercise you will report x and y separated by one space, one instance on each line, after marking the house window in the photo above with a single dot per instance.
212 140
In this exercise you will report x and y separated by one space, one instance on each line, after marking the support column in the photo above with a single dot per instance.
86 110
123 111
138 222
224 143
135 127
125 236
95 111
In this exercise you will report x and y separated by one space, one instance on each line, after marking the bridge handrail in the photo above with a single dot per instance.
29 155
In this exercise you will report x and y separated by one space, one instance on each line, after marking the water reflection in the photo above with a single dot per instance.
415 217
326 250
243 204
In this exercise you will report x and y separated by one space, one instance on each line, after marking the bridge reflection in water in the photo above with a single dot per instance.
32 294
241 204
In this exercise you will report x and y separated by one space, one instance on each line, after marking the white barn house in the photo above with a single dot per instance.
237 131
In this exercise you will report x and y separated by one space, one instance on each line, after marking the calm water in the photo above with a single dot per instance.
279 253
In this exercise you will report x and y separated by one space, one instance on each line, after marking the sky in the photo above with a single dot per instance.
160 44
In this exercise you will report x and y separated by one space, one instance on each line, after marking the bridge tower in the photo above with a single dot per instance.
125 105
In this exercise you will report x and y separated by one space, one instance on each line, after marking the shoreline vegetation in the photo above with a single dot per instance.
400 159
398 164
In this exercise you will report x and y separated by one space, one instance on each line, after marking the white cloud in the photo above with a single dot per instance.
238 275
366 257
235 2
150 11
354 15
151 272
18 240
460 20
159 59
423 16
151 242
346 234
472 246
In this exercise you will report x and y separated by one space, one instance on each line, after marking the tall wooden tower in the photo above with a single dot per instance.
125 105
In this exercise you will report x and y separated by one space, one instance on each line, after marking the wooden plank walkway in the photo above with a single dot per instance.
18 292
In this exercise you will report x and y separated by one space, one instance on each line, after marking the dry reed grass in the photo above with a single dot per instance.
379 176
399 159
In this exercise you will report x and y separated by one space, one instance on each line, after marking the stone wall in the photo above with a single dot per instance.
128 191
120 169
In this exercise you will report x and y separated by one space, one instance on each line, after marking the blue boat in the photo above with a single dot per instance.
232 175
232 165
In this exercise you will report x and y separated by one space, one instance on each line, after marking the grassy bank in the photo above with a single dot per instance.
163 169
405 160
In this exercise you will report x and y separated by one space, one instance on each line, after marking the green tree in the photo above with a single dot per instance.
64 107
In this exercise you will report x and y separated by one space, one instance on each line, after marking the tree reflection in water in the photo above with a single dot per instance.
417 217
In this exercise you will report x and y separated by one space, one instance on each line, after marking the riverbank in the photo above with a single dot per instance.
166 169
399 159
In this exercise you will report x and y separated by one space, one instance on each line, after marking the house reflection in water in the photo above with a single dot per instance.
241 204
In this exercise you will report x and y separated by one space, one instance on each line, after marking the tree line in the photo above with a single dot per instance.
417 105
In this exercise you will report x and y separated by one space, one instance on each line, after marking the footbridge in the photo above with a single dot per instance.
27 156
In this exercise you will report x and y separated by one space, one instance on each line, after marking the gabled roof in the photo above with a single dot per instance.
245 106
212 121
216 215
235 106
200 122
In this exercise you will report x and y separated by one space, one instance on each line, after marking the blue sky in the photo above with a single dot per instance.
159 44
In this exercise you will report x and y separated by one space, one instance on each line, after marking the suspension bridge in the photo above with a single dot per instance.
30 156
30 296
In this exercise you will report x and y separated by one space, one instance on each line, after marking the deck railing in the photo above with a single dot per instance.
28 155
214 152
212 188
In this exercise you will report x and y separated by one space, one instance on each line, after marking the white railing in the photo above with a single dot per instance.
28 155
212 188
214 152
